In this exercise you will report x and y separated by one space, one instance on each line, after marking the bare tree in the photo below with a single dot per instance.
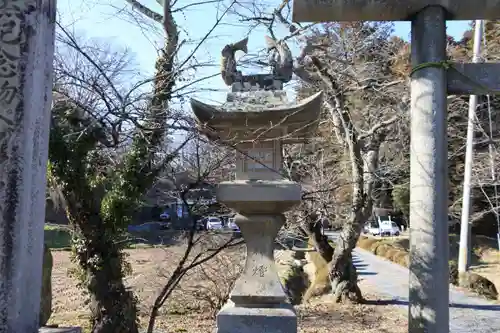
204 165
363 105
359 95
108 144
215 280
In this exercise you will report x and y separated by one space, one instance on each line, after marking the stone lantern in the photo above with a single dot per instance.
257 120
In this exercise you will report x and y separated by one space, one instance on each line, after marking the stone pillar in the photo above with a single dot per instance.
429 242
259 283
26 56
258 302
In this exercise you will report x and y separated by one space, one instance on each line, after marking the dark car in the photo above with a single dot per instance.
165 216
201 224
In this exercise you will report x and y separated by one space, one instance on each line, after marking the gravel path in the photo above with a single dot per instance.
467 313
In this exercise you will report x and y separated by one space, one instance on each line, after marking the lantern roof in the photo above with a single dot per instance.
294 123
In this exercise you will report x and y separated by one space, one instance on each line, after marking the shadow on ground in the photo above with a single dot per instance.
491 307
361 268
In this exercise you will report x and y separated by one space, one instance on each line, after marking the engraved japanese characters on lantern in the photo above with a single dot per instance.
259 160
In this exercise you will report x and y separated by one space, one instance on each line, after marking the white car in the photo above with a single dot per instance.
384 228
214 223
231 224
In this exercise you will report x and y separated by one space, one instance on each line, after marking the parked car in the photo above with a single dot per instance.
165 216
149 227
384 228
231 224
214 223
201 224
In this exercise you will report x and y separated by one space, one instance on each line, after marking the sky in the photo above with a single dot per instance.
107 20
110 21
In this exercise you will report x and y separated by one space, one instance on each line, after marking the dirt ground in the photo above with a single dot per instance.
188 312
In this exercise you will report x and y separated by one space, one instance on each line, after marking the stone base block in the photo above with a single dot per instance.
260 196
60 330
236 319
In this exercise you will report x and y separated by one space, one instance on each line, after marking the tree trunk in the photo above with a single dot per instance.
312 227
113 306
113 310
343 275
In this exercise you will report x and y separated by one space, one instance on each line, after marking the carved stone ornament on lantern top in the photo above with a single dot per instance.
257 120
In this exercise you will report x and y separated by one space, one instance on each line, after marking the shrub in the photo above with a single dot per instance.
374 247
215 280
295 283
366 243
403 244
401 198
57 236
391 253
402 258
397 254
362 237
474 282
481 285
382 249
453 272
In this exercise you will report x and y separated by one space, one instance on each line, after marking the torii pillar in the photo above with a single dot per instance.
429 244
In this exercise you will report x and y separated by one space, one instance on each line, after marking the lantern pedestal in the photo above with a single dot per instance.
258 302
239 319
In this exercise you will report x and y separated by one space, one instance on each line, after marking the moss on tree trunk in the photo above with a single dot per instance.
343 276
342 272
102 271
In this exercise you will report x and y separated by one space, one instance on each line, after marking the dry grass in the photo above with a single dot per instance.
489 267
318 273
367 243
324 316
185 314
